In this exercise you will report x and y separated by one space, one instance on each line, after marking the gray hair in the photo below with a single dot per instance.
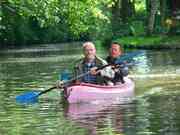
88 43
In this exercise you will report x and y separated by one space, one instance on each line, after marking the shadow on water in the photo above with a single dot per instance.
154 110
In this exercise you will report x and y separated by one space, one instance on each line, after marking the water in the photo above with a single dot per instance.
153 111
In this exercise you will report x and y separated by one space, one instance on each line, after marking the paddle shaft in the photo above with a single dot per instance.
45 91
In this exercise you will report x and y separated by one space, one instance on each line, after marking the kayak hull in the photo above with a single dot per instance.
87 93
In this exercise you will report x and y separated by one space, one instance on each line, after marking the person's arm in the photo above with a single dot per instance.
76 72
124 70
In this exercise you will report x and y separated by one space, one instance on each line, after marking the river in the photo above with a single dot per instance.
154 110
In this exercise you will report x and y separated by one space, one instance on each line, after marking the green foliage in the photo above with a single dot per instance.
54 20
137 28
123 30
150 42
140 6
139 40
51 21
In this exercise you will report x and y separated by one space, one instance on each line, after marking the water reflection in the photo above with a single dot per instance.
156 62
102 118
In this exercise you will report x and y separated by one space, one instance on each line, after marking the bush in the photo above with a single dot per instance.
137 28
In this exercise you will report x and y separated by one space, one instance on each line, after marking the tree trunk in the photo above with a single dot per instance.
122 10
116 17
151 18
127 10
163 12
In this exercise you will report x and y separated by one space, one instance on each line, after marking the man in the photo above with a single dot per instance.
115 53
89 63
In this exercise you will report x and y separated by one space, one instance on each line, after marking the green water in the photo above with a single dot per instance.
153 111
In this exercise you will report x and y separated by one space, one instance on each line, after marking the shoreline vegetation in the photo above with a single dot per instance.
134 42
151 42
147 24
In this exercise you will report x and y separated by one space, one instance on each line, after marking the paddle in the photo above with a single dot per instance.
31 97
128 57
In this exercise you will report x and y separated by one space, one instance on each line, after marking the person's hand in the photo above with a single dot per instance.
93 71
59 84
77 82
115 68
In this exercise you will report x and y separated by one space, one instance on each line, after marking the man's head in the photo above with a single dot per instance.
89 51
115 50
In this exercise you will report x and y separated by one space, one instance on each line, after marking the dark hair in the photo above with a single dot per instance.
115 43
120 46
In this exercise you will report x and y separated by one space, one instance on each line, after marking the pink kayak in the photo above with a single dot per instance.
88 93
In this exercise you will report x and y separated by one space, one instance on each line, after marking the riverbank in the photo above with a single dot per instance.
153 42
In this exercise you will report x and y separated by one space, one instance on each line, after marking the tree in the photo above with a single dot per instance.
163 9
74 17
153 6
